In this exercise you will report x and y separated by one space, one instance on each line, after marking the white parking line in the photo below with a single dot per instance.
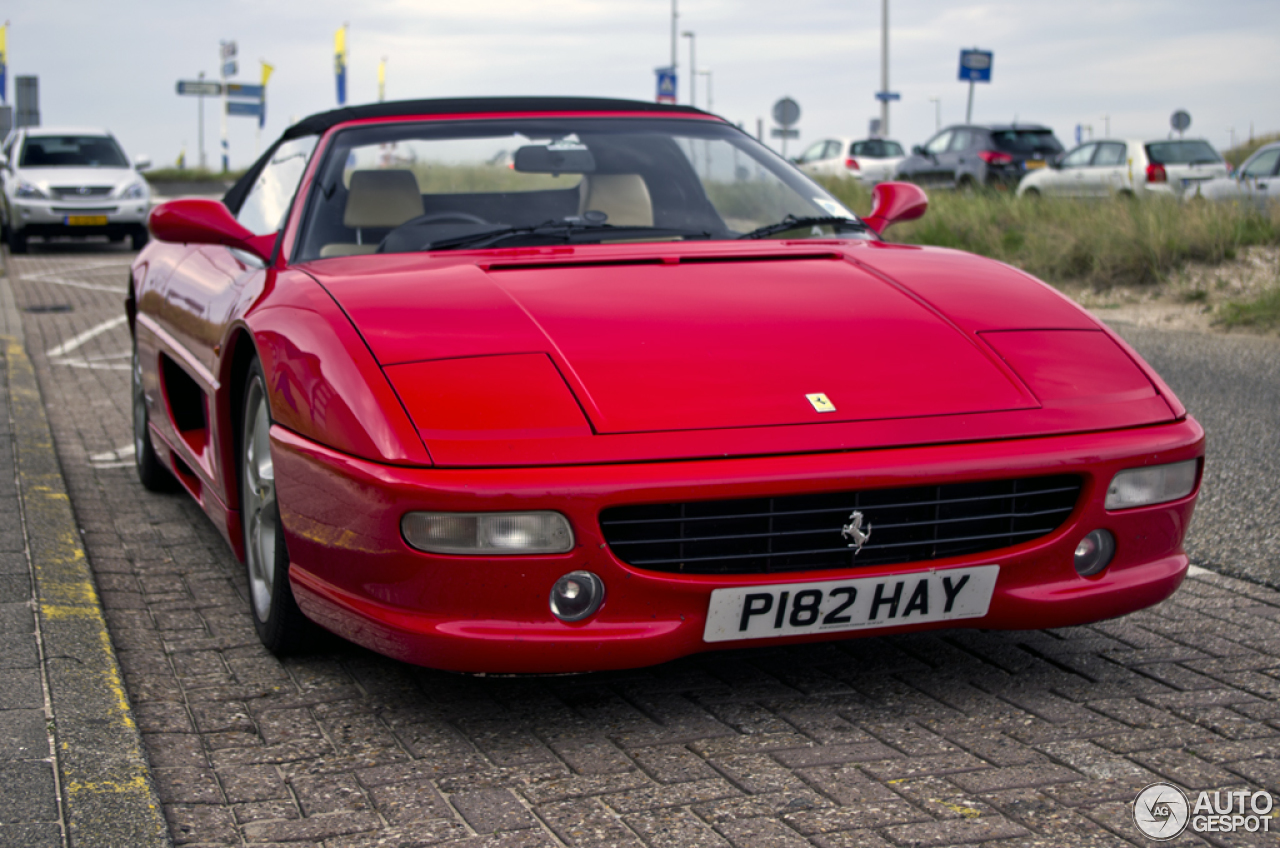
71 344
121 457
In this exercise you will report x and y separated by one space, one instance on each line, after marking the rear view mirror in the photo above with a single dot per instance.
558 157
918 151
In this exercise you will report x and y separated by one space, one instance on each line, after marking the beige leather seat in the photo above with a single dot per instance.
623 197
376 199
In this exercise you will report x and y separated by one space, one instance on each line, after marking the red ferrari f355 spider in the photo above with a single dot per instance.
548 385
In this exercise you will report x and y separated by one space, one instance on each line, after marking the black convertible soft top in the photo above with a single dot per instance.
322 121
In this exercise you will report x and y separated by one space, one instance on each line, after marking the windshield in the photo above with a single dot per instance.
414 186
1026 141
876 149
1182 153
72 151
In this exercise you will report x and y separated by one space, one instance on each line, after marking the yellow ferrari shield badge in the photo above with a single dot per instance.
821 402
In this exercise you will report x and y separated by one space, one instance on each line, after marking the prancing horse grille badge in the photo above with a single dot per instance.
821 402
853 530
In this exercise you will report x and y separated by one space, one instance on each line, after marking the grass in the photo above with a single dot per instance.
1260 314
1099 243
190 175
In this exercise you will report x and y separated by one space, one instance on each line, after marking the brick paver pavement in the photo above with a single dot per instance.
1004 739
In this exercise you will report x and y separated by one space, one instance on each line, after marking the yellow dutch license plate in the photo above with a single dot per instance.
86 220
1032 164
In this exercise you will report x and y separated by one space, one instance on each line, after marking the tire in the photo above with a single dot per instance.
1032 194
281 625
138 238
17 241
152 473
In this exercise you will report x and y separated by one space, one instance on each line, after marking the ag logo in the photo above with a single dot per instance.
1161 811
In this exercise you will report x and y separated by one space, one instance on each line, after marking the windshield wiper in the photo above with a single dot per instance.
791 222
563 230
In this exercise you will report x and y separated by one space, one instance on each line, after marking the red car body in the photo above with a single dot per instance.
509 379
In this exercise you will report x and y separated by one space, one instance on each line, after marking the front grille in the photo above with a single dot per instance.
72 192
801 532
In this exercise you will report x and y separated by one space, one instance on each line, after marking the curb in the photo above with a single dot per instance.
108 798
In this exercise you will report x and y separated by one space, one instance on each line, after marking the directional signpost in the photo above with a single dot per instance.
200 88
975 66
239 99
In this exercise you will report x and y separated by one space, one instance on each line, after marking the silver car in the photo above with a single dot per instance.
71 182
1256 181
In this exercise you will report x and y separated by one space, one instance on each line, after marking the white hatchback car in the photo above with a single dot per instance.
1171 167
869 160
71 182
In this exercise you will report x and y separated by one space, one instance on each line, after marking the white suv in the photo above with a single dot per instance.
71 182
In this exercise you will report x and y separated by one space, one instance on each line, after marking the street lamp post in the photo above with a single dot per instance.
693 65
204 165
937 113
884 67
706 72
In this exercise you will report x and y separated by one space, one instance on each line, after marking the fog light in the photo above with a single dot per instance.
1094 552
576 595
488 532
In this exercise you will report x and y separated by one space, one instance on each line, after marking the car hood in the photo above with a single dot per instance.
45 177
708 340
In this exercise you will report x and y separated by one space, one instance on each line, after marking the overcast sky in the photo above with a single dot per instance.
1058 62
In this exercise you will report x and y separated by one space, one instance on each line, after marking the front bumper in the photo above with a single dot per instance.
353 573
50 218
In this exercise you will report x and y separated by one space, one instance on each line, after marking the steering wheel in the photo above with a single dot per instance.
446 218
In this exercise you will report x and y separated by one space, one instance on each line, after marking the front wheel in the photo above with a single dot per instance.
281 625
17 241
138 238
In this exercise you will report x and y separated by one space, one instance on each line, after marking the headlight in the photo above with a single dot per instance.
136 191
1146 486
26 189
488 532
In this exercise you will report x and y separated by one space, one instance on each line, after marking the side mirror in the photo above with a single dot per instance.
200 220
4 161
894 202
141 163
917 150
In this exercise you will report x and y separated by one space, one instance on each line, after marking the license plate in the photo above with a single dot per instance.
792 609
86 220
1032 164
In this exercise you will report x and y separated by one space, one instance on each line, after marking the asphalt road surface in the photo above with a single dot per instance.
1231 384
1004 739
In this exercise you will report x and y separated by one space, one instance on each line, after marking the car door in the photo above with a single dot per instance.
1258 179
926 168
810 160
1070 176
1106 172
960 161
197 305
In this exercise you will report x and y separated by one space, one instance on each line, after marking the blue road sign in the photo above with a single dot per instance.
230 68
666 85
239 89
975 65
888 95
247 109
